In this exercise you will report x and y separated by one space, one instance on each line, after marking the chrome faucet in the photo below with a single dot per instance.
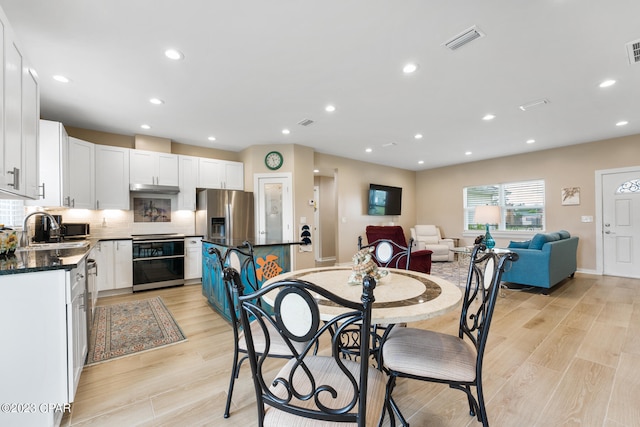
25 226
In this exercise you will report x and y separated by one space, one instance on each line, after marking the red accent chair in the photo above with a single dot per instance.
418 260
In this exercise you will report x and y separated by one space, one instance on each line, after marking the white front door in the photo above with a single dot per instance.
275 207
621 223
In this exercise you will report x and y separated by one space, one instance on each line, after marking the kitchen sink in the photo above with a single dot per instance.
54 246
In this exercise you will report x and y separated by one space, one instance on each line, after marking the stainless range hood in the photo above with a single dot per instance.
157 189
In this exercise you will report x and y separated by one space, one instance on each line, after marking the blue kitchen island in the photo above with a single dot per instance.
271 259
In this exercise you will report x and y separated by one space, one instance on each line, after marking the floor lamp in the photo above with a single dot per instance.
487 215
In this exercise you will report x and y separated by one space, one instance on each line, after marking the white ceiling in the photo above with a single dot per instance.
254 67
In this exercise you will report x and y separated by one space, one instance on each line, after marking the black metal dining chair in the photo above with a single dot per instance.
243 261
442 358
309 389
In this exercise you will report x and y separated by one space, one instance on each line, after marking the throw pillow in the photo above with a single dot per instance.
564 234
520 245
538 241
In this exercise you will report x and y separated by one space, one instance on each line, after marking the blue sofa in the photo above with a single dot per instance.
544 261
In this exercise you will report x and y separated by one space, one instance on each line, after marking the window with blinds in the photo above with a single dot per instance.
11 213
521 205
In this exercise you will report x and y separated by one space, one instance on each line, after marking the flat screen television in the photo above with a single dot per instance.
384 200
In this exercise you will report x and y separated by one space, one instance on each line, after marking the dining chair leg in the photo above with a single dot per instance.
394 411
234 374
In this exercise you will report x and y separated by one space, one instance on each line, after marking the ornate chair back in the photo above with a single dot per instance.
322 388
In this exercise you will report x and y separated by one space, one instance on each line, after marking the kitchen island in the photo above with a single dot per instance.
271 258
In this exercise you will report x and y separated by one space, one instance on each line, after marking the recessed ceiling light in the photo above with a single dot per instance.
530 141
622 123
212 138
316 171
368 150
418 136
156 101
286 131
420 162
173 54
145 126
410 68
330 108
607 83
467 153
488 117
61 79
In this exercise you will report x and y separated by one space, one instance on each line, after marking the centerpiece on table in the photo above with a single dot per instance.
363 264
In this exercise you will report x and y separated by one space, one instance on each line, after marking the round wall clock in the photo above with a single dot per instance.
273 160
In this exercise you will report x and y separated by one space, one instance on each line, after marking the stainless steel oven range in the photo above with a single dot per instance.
158 261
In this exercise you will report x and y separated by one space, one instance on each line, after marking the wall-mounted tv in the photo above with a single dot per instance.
384 200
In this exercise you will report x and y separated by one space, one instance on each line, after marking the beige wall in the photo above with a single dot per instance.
113 139
439 191
352 185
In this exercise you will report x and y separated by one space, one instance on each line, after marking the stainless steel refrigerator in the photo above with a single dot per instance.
225 214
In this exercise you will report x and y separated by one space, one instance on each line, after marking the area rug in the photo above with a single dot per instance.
131 327
451 271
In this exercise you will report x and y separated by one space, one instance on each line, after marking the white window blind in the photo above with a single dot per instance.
521 204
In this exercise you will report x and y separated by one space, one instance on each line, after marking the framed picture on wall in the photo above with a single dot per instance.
570 196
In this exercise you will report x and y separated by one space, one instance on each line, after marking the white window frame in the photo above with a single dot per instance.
501 230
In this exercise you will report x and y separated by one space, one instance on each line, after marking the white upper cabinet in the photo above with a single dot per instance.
53 152
19 116
81 167
215 173
30 126
154 168
112 177
188 170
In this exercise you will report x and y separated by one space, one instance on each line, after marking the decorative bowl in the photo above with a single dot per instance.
8 241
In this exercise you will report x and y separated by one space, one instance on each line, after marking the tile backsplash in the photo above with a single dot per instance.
119 223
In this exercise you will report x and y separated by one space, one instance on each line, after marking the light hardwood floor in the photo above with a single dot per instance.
570 358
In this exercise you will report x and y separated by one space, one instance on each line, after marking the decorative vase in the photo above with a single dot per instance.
488 240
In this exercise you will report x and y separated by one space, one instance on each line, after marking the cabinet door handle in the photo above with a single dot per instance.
16 178
43 191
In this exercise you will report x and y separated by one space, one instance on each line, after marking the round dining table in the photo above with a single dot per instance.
402 296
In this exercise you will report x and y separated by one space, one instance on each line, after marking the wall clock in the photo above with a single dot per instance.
273 160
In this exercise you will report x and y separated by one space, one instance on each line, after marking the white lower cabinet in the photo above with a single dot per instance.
192 258
115 264
45 344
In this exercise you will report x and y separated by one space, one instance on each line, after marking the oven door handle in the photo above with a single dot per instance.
158 257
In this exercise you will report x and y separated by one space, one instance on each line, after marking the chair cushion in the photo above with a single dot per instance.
427 234
326 371
278 346
429 354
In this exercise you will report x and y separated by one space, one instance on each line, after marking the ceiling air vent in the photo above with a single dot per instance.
467 36
633 49
305 122
533 104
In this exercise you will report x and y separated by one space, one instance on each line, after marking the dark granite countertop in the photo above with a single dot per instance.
43 260
254 242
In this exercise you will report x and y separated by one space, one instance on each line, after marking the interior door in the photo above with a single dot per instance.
275 207
621 223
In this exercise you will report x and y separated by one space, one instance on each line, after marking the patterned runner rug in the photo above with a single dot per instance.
123 329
